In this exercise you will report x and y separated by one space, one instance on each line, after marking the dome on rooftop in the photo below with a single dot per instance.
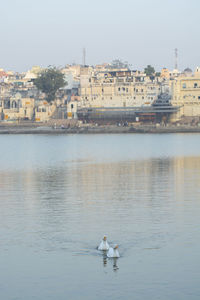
187 70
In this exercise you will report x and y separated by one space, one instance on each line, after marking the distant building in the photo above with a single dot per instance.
197 72
165 73
44 111
186 94
16 107
118 88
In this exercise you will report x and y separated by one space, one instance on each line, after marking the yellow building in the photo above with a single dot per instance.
165 73
19 108
44 111
186 94
118 88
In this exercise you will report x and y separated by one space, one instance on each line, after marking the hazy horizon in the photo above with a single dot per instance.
140 32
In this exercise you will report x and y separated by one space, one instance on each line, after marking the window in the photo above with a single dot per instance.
199 97
142 90
195 85
72 106
14 104
119 89
19 103
184 85
127 90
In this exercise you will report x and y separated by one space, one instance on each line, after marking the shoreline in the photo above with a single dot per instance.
89 129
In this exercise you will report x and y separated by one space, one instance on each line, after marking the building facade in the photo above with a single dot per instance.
118 88
186 94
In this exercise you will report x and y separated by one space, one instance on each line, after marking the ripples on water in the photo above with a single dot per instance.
60 195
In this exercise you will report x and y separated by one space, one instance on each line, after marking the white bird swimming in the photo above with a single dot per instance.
113 252
104 244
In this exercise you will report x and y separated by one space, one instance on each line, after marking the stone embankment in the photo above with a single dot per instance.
77 128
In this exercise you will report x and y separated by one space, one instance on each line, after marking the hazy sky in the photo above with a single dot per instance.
54 32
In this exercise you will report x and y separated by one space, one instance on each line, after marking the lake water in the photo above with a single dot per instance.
60 194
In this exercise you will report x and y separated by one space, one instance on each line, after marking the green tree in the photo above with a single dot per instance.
50 81
119 64
149 70
157 74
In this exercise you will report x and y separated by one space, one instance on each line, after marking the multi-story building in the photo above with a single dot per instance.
186 94
16 107
118 88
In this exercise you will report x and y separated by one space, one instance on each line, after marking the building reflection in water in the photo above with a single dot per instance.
89 183
60 202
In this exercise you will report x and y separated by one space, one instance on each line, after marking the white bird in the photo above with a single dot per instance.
113 252
104 244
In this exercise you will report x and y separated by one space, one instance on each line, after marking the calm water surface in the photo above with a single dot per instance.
60 194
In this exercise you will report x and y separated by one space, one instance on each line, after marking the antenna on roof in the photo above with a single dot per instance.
84 56
176 58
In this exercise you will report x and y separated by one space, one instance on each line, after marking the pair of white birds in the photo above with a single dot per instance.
104 246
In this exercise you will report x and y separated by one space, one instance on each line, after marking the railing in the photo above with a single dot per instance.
140 109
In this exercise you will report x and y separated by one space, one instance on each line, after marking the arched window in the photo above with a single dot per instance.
19 103
14 104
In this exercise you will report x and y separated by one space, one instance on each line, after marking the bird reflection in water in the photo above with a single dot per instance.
115 267
104 258
114 261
